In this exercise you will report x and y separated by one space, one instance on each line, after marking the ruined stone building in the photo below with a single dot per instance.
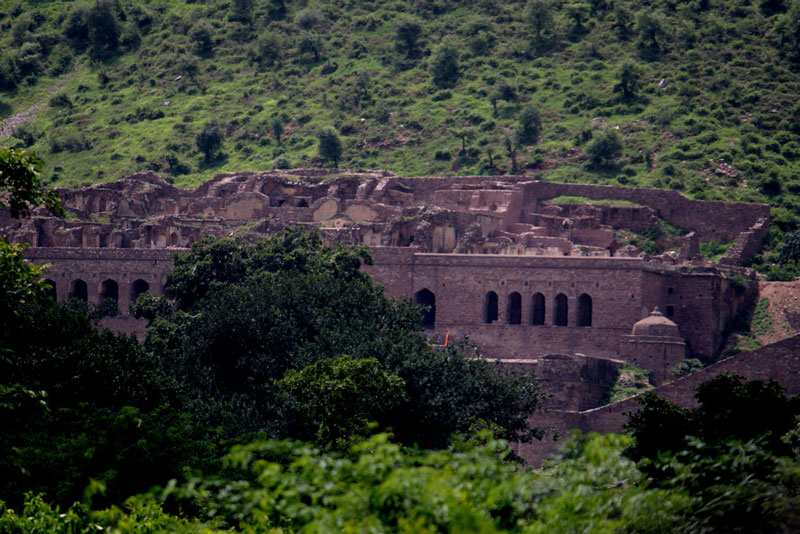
568 280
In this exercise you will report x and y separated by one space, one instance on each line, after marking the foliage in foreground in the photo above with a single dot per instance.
378 486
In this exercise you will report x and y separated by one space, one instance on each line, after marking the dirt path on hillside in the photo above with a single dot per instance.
11 123
784 310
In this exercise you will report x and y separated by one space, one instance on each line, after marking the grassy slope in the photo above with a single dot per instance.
730 94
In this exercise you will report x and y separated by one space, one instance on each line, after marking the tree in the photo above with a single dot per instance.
444 65
310 42
407 35
730 408
464 134
201 37
530 126
268 48
330 146
622 22
209 140
604 148
20 179
243 315
650 27
629 80
539 15
104 28
511 148
276 125
340 397
788 28
242 11
578 12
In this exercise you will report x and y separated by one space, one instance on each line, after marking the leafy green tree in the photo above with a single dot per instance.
578 13
788 28
310 43
276 125
209 140
20 179
464 134
604 148
651 28
790 249
623 21
330 146
104 28
242 11
444 65
407 37
201 37
530 126
629 81
539 16
269 48
730 408
308 18
288 302
340 397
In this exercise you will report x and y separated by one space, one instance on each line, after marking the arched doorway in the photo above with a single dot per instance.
50 288
426 298
514 311
560 314
137 288
109 290
490 307
78 289
537 310
584 310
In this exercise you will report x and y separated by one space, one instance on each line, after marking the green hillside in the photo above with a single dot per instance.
698 96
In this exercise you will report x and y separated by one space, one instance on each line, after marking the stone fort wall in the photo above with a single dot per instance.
778 361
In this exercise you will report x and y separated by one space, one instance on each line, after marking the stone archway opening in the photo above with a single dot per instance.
109 289
514 311
79 289
537 310
490 307
137 288
427 299
561 311
584 310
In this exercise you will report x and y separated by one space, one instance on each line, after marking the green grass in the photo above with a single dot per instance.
566 199
762 323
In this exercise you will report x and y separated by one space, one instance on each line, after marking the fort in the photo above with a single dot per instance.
567 280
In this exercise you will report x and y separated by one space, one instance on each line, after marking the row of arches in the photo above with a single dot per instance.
538 309
491 309
109 289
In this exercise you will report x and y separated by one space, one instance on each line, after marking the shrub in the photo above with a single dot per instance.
604 148
444 65
209 140
281 162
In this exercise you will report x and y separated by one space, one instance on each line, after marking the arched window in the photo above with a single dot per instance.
79 290
51 291
537 310
514 311
137 288
560 313
174 240
109 290
426 298
490 307
584 310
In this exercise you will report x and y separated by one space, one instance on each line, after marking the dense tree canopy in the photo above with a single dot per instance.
288 302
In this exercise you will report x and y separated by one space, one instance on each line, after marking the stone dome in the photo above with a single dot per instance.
656 325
